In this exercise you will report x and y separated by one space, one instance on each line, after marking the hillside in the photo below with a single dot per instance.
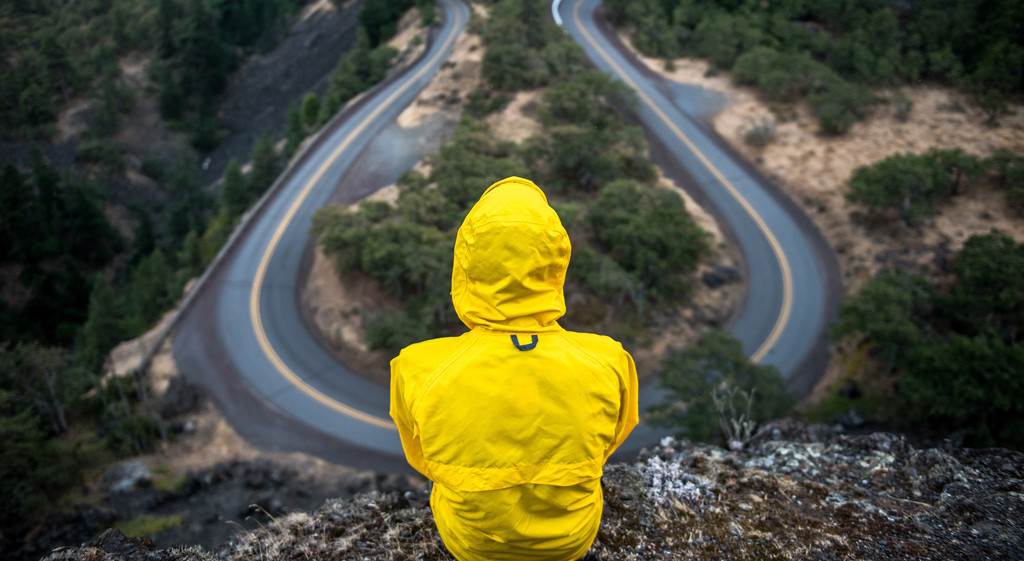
797 492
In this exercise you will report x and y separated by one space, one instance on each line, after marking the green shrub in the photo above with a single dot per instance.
310 109
147 525
649 233
108 155
911 184
693 377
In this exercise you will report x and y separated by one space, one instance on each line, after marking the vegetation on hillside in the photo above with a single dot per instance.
958 349
829 51
55 51
911 185
712 385
77 287
633 242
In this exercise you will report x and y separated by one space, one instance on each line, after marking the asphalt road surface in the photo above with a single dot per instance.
244 339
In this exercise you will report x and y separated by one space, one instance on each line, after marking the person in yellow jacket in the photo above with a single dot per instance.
514 420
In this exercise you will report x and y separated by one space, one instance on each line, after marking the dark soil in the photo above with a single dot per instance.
259 93
216 504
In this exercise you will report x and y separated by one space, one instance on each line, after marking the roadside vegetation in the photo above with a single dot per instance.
77 286
633 242
957 348
830 52
947 343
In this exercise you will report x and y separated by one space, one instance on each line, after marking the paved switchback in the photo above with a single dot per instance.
244 339
792 273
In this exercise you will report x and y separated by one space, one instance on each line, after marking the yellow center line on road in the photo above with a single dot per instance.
780 256
261 271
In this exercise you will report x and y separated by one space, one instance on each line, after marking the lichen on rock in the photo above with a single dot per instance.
795 492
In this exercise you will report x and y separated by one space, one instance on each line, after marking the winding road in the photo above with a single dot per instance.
244 338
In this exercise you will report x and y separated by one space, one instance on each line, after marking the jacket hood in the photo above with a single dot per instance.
511 254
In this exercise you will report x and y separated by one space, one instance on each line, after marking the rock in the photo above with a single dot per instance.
128 475
255 480
720 275
852 419
114 542
794 487
180 398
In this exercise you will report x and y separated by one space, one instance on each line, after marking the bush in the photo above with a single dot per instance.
482 102
911 184
380 18
357 70
310 109
649 233
890 313
108 155
694 377
1009 169
146 525
759 132
838 106
393 331
34 471
959 351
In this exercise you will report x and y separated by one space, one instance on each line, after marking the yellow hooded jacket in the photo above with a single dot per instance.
514 420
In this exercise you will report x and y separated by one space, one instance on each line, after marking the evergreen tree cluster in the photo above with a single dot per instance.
829 50
357 70
910 185
53 52
54 229
590 161
199 44
80 299
957 351
524 50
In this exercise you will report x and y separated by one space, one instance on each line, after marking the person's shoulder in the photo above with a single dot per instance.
427 355
600 346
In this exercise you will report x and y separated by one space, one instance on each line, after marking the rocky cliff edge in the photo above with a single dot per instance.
796 492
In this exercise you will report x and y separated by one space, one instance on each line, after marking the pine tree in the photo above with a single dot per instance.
296 131
165 16
172 100
265 167
310 109
109 116
57 62
204 58
233 196
102 331
205 137
190 258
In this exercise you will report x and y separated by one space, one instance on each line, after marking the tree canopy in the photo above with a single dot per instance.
958 351
693 377
829 50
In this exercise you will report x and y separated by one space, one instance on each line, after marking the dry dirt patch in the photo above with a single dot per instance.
814 171
518 120
446 93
